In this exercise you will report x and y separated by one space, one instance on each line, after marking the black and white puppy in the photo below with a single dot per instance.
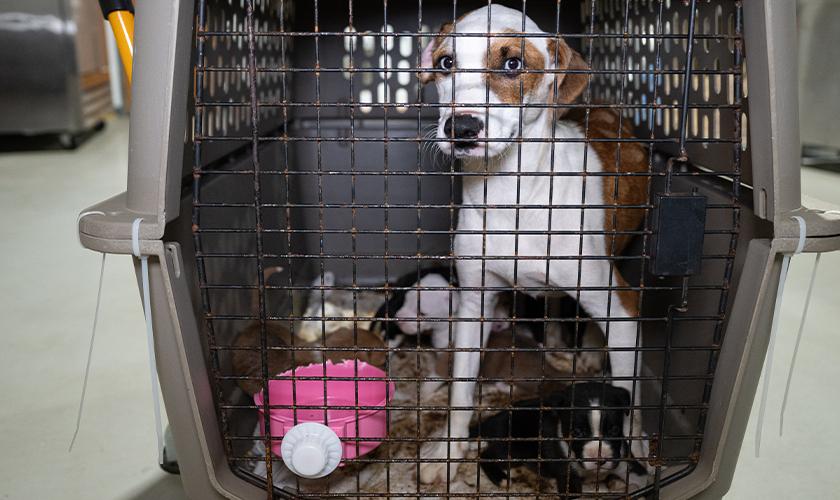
435 295
579 435
433 286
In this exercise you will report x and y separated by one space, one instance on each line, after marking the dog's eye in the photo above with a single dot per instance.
445 63
513 65
614 431
577 433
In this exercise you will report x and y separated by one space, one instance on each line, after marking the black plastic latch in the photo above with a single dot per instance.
109 6
679 222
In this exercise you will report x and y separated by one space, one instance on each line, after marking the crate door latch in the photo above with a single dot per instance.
679 223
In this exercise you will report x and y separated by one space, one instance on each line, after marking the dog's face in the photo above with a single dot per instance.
492 76
433 304
597 436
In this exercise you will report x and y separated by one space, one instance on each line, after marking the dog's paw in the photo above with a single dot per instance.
436 472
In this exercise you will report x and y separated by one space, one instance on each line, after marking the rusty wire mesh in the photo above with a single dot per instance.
312 152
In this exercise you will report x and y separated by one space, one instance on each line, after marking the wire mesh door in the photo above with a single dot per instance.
489 248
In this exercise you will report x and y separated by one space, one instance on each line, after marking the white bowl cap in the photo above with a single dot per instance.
311 450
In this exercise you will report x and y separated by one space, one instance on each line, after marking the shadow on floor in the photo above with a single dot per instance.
46 142
168 487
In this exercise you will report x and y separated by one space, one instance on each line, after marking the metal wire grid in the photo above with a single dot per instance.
611 33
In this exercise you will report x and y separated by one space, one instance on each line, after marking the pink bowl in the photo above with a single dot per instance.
371 423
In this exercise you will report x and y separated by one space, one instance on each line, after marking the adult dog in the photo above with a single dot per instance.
540 185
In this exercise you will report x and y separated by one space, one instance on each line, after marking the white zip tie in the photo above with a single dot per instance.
147 306
796 348
79 219
769 361
135 238
93 333
776 313
802 233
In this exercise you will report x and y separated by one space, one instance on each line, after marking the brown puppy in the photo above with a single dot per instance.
247 362
527 363
343 339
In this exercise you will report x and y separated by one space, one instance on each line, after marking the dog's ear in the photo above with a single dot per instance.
569 85
426 59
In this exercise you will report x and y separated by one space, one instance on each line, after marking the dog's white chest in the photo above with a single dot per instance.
533 201
535 209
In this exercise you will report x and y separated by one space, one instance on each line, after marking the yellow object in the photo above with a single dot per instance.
122 23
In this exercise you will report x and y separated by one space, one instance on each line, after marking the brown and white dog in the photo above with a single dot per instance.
503 122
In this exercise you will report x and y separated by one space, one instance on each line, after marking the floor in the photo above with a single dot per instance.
47 300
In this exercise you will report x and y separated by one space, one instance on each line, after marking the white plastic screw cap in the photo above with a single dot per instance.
311 450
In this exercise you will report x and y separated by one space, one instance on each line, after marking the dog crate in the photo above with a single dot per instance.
284 163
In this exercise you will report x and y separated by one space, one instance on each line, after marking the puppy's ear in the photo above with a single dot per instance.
560 399
622 397
569 85
427 58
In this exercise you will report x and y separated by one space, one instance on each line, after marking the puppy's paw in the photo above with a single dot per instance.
429 388
640 449
592 361
494 472
436 472
396 341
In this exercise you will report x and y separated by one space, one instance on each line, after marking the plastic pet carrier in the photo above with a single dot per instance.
305 232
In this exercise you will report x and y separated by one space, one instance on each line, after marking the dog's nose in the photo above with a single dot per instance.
465 127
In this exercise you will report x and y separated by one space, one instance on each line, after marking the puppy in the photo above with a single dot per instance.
434 303
500 120
435 294
341 344
521 306
336 304
345 344
527 363
247 360
579 434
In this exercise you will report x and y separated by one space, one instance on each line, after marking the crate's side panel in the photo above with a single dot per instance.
646 74
771 45
225 105
736 381
186 390
163 39
693 335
